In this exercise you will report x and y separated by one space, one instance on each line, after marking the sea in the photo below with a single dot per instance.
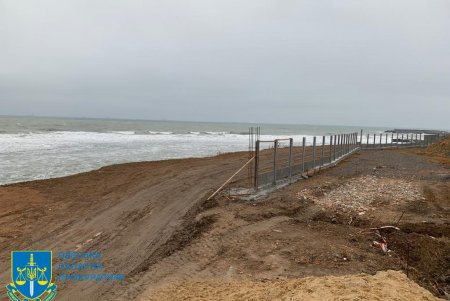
33 148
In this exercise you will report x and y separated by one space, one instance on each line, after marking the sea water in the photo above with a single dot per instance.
38 148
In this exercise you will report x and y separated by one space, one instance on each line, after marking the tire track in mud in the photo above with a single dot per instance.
198 257
137 208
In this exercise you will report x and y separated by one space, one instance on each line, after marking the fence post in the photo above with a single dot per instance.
355 140
303 154
360 139
291 144
334 148
314 153
331 148
392 139
323 150
256 164
385 142
367 142
402 139
374 140
381 137
349 138
346 142
275 146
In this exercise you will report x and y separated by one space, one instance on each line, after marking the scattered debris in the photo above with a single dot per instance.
381 232
362 194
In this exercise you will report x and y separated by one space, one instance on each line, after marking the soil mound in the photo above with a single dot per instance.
384 285
439 149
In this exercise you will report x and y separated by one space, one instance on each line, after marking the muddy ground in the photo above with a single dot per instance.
151 222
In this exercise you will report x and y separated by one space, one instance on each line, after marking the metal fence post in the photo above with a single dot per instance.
374 140
303 154
291 144
381 137
323 150
360 141
347 143
331 148
392 139
354 141
402 139
275 146
314 153
334 148
256 164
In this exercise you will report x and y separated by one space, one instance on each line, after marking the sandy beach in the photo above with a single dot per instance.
151 223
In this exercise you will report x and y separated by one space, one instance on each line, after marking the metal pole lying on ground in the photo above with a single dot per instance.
227 181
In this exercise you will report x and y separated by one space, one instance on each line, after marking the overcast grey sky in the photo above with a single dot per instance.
358 62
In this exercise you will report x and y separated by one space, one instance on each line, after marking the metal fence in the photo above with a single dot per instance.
282 159
392 140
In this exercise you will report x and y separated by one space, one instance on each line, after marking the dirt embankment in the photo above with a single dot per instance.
389 285
319 227
151 223
439 151
131 213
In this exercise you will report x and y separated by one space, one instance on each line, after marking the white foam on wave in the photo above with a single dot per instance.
123 132
55 154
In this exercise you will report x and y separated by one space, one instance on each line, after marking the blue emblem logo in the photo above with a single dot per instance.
31 275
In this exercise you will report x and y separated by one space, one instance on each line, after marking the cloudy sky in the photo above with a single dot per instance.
357 62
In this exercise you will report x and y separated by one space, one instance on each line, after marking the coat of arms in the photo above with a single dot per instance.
31 275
